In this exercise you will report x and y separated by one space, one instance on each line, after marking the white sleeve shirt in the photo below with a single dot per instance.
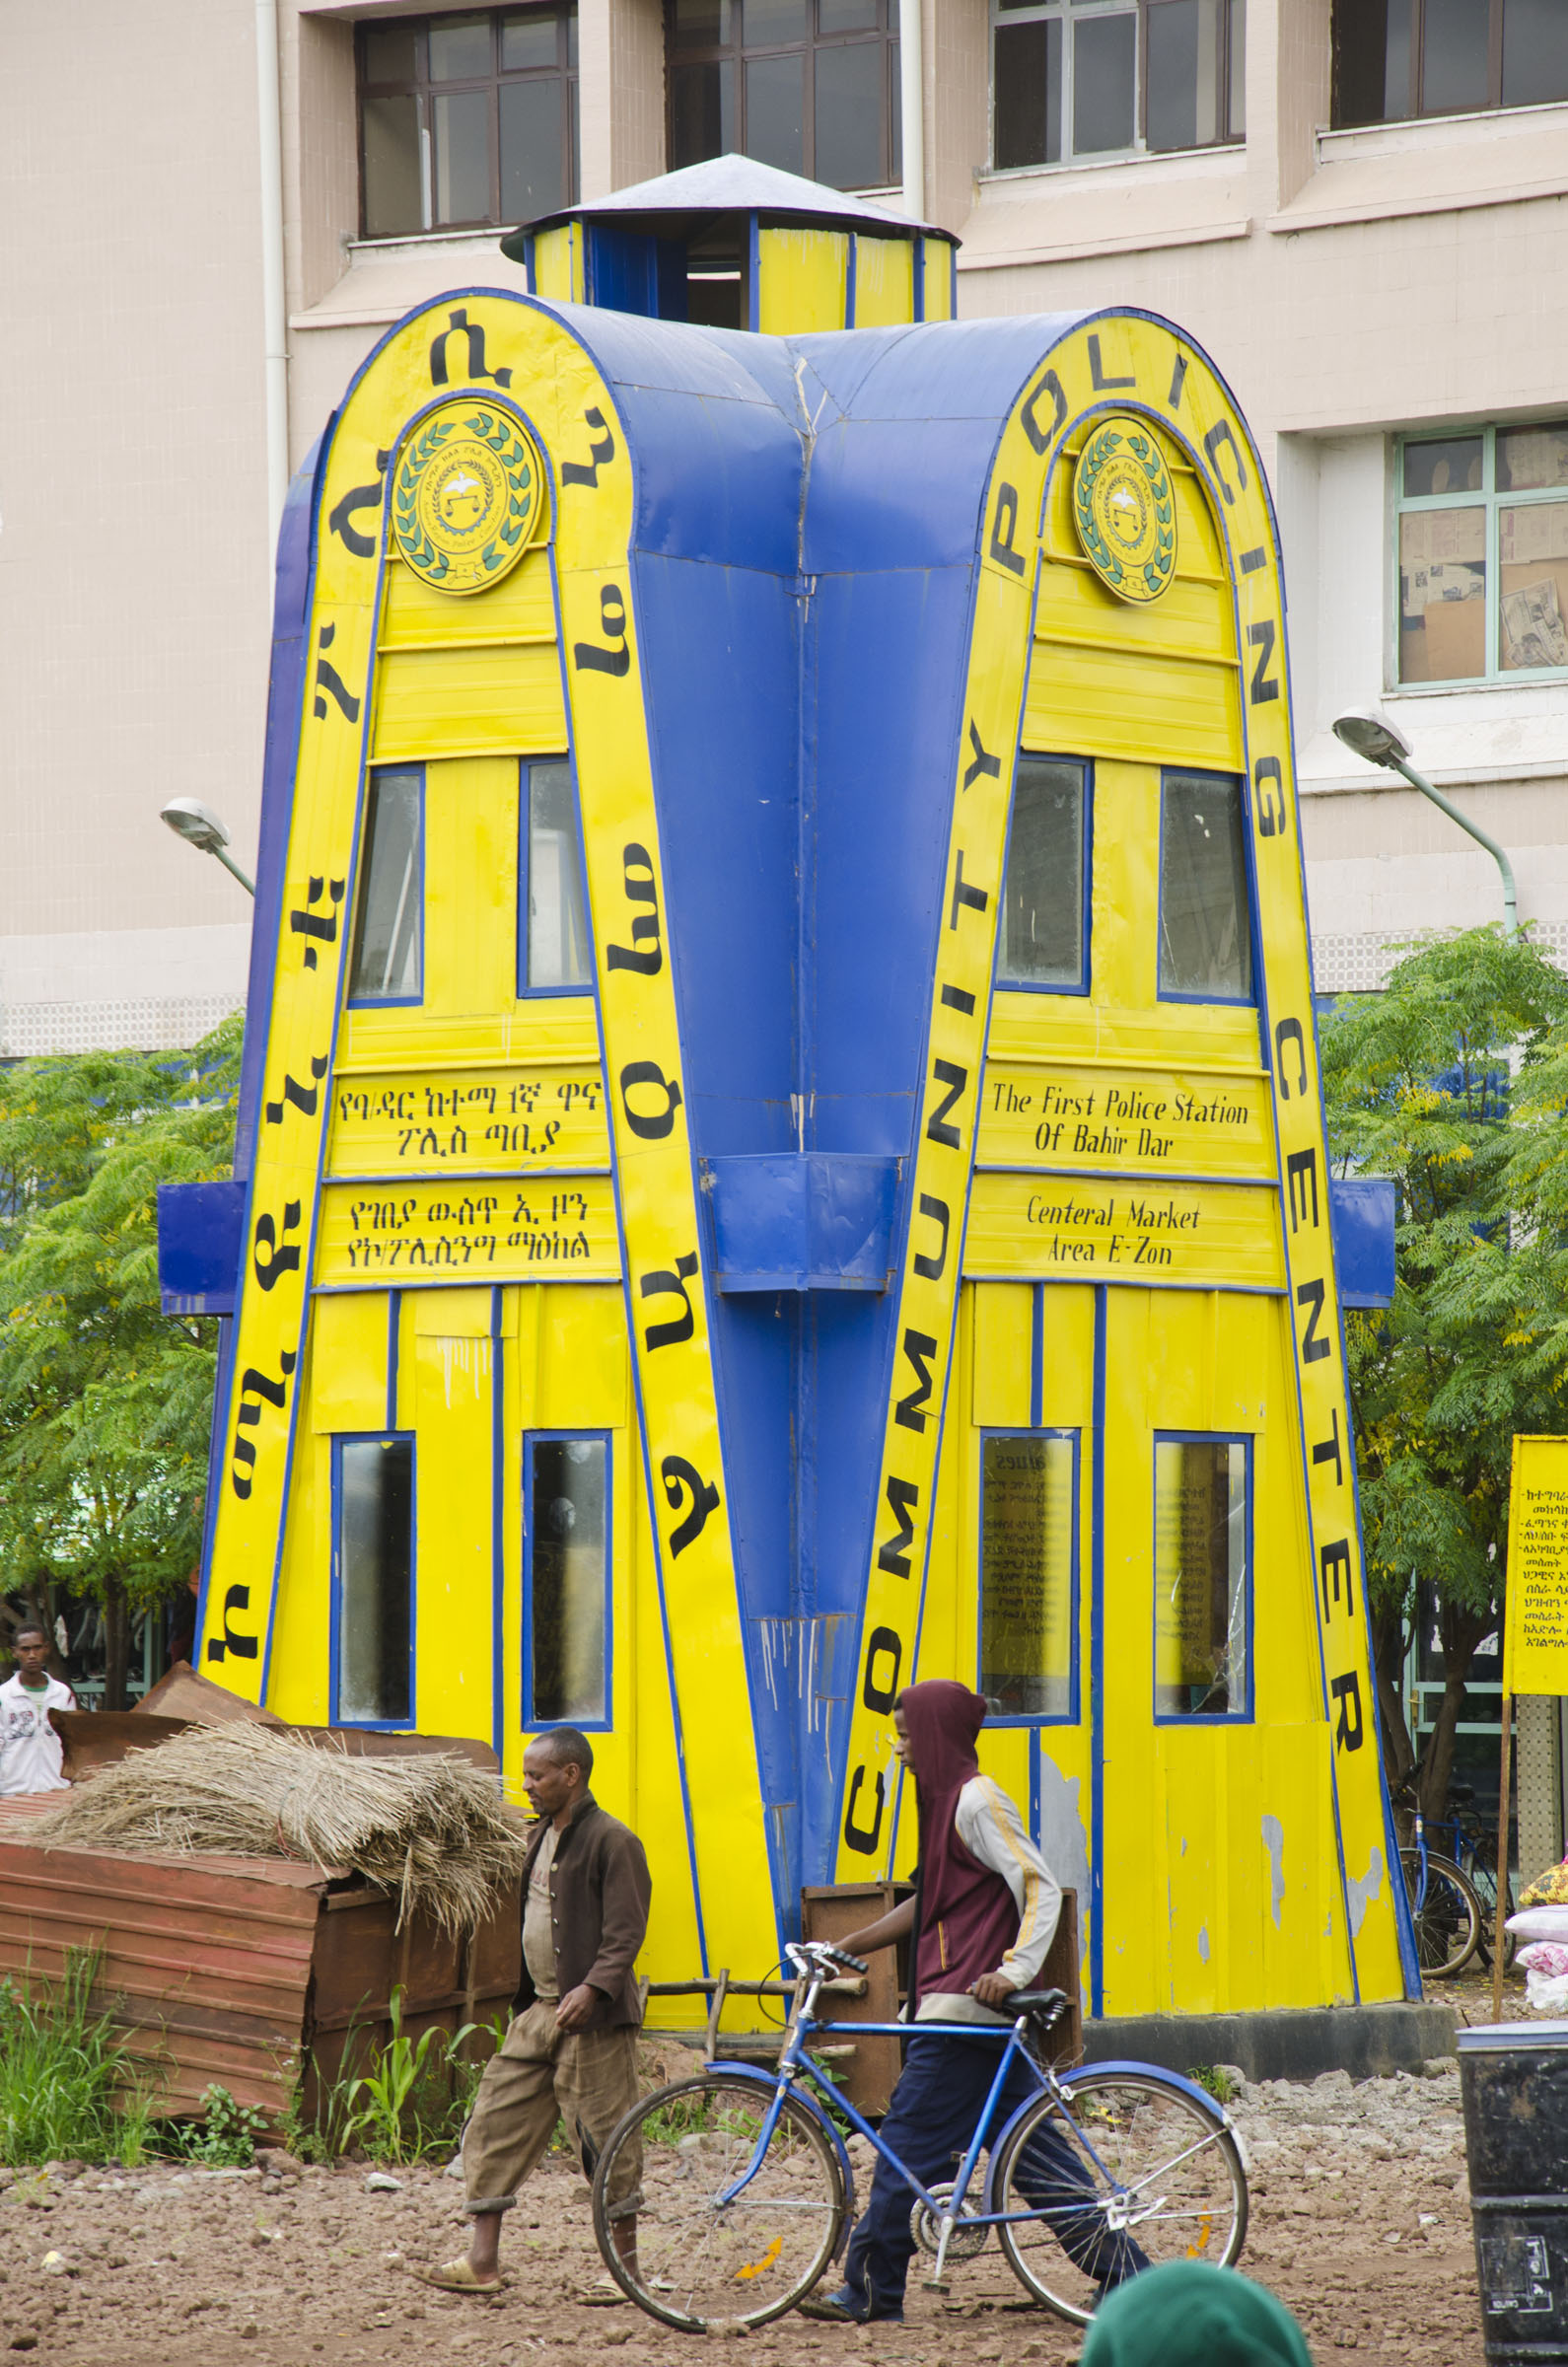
992 1831
31 1759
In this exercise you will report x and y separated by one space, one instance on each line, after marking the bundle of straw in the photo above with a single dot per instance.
430 1829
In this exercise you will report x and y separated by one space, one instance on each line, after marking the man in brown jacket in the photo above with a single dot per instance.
572 2048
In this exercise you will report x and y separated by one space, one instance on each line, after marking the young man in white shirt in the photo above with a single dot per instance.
32 1757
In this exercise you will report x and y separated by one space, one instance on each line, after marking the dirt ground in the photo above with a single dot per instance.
1360 2221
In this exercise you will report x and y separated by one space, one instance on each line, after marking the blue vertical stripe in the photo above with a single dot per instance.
497 1528
395 1309
1036 1360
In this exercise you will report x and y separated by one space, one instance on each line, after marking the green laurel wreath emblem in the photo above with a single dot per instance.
1141 577
521 475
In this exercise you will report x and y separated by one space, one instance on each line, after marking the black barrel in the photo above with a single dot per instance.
1514 2079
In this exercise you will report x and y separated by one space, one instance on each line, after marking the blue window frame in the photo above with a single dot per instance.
389 952
567 1665
373 1579
1042 936
1202 1578
1206 890
1028 1576
554 953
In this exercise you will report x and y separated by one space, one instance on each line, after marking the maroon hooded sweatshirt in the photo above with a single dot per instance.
966 1919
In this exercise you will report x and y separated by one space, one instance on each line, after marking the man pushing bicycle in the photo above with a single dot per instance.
980 1922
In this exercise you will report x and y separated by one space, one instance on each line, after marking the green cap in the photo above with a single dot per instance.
1191 2315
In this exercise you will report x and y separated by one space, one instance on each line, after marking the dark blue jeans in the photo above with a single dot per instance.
931 2122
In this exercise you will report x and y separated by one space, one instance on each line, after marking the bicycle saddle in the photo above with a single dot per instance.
1462 1794
1045 2006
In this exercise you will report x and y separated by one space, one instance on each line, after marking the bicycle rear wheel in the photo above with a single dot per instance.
1446 1914
1133 2167
702 2261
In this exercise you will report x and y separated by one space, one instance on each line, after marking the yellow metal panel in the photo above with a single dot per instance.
471 856
1114 1119
411 1232
519 609
1003 1318
938 272
299 1680
1213 1036
582 1359
559 264
1075 1228
348 1362
884 281
469 702
468 1120
558 1029
1088 701
804 277
448 1314
454 1586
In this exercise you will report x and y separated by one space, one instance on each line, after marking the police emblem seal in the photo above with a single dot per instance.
1125 510
467 497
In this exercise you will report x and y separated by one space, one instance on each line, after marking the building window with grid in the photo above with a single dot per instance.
1483 554
1073 79
811 86
1398 58
467 121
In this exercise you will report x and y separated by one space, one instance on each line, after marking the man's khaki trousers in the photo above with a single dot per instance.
587 2078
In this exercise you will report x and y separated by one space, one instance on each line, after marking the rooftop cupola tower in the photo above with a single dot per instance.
738 244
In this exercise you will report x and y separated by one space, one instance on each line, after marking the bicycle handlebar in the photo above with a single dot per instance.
817 1956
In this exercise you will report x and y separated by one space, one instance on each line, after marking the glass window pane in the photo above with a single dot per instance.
391 53
767 23
375 1564
388 924
895 115
1442 595
1531 457
1043 892
700 25
1454 55
848 119
1535 51
773 93
463 156
531 41
1533 586
557 933
566 1556
1200 1639
846 16
459 48
1235 127
394 202
1443 464
1205 928
1028 1522
533 165
1396 66
701 112
1183 68
1029 94
1104 53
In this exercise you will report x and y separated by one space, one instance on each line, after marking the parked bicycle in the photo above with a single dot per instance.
1445 1911
1472 1843
747 2191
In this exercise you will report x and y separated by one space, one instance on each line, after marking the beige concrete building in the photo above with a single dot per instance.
213 208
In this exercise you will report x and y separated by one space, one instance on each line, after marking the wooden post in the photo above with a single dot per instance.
1502 1857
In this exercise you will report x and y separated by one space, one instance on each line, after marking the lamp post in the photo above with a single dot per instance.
199 826
1372 735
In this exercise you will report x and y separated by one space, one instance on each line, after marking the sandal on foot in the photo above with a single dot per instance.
603 2294
456 2276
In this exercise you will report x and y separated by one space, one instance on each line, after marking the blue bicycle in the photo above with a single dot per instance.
747 2192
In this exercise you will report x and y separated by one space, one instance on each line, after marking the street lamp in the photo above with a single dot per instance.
199 826
1372 735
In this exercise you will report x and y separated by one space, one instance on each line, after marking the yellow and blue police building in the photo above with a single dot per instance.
781 1148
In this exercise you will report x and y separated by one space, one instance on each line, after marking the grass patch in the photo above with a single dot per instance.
68 2091
1218 2081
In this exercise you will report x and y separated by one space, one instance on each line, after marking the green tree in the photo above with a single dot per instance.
105 1401
1418 1085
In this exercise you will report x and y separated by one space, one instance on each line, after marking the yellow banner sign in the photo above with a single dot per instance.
1124 1120
559 1229
1536 1621
1062 1228
467 1121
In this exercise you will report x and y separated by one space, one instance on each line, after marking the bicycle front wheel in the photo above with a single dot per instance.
706 2255
1445 1913
1132 2173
